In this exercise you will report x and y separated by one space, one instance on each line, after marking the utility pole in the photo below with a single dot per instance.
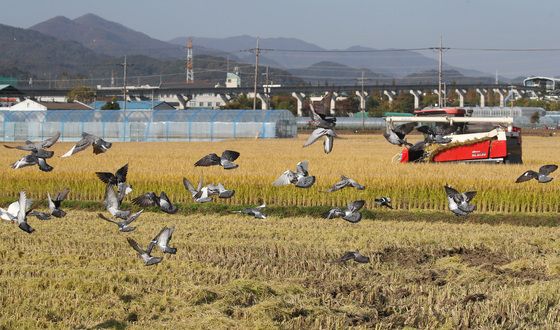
267 89
124 65
362 104
440 69
257 52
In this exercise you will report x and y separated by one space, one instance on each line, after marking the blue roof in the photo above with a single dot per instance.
131 105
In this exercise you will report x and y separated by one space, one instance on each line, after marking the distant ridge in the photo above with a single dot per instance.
111 38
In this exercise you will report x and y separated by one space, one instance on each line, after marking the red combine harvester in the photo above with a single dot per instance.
476 139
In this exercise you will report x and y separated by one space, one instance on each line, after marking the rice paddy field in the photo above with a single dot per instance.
497 268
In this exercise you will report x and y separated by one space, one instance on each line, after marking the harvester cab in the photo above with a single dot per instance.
453 135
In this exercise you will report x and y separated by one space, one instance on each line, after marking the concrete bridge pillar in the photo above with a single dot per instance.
314 99
300 97
461 93
363 96
443 96
390 95
265 101
182 101
482 94
332 108
416 95
501 94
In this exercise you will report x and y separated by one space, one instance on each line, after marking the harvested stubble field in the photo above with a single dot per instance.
428 270
367 159
237 272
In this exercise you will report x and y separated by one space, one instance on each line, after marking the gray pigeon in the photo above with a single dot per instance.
24 209
345 182
541 176
162 240
396 135
11 213
351 213
124 226
384 201
322 121
255 211
151 199
459 202
54 204
113 205
145 255
118 179
318 133
437 134
45 144
226 160
220 190
200 194
353 255
300 178
99 145
33 159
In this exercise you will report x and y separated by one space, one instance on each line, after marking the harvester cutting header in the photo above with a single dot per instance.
451 135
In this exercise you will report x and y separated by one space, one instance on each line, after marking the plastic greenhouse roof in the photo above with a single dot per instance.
199 115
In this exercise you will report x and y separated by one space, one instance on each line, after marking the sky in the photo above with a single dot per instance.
339 24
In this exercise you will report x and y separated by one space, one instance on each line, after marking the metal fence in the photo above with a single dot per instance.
147 125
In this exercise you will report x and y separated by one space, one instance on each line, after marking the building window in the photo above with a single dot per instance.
200 104
209 104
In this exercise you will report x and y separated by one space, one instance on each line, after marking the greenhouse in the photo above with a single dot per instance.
147 125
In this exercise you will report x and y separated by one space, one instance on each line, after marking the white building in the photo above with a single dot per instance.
29 104
215 101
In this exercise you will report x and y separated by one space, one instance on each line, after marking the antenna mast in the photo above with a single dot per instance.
189 63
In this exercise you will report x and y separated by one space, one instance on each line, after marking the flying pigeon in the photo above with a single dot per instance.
396 135
200 194
226 160
459 202
255 211
350 214
345 182
151 199
162 240
54 204
541 176
220 190
145 255
353 255
384 201
318 133
45 144
33 159
322 121
437 134
11 213
300 178
99 145
113 205
118 179
39 215
24 209
124 226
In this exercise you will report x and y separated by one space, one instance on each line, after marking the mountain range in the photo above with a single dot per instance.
80 46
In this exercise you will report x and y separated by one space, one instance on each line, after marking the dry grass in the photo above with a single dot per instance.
235 272
160 166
